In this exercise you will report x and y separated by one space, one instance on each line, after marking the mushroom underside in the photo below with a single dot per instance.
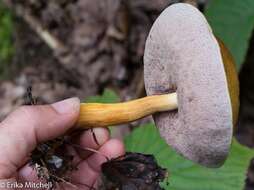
183 56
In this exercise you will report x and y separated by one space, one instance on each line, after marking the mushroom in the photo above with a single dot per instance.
192 88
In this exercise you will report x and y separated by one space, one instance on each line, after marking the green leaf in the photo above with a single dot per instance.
184 174
233 22
108 96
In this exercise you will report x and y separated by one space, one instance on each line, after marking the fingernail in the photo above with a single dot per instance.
67 106
101 135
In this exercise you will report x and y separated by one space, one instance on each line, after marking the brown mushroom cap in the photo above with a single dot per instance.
232 80
182 55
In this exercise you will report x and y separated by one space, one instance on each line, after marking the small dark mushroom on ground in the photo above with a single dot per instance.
133 171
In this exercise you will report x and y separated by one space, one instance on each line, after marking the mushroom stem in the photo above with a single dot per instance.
103 115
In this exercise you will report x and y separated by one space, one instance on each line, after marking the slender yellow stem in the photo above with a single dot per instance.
103 115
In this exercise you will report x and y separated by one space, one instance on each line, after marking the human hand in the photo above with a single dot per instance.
23 129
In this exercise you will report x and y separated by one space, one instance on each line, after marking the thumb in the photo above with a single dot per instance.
22 130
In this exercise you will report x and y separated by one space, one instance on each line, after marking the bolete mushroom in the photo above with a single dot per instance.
191 81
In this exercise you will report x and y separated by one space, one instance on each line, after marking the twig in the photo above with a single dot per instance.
55 44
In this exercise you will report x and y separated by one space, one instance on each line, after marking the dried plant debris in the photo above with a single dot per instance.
51 160
133 171
53 164
29 99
